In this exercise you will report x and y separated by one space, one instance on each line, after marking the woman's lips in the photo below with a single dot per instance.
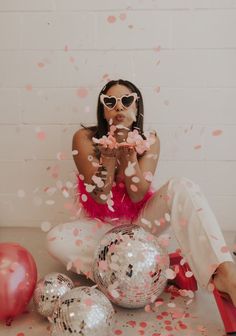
120 117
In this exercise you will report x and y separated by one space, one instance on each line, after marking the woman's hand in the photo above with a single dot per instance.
127 152
108 152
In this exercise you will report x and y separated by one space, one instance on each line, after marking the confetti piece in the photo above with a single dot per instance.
148 176
69 265
28 87
41 135
135 179
40 64
217 132
197 146
103 197
167 217
75 152
75 232
50 202
224 249
188 274
118 332
129 171
46 226
133 187
61 156
88 302
84 197
21 193
111 19
82 92
170 274
122 16
131 323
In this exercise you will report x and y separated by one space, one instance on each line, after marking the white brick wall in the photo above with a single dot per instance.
180 53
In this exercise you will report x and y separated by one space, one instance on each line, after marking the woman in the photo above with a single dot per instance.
116 163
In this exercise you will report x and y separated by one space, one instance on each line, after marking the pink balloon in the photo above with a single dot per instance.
18 277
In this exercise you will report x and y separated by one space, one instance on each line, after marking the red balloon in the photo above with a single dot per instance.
18 277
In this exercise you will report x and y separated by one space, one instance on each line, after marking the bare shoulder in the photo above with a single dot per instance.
82 134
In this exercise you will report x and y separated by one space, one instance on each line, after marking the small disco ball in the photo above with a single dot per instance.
48 290
130 265
83 311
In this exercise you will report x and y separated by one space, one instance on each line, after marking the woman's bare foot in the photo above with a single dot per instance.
225 279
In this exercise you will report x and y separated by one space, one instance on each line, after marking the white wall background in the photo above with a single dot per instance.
56 55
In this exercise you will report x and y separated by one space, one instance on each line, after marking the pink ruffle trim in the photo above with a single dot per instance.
123 206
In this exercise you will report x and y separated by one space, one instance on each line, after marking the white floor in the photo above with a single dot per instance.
186 318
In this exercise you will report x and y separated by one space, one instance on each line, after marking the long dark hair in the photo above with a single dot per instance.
102 126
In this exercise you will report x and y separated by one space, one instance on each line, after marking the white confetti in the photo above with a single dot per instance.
46 226
69 184
50 202
146 222
103 197
129 171
167 217
135 179
65 193
21 193
84 197
75 152
148 176
170 274
50 191
89 187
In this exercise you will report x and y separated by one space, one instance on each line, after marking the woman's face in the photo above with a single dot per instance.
119 114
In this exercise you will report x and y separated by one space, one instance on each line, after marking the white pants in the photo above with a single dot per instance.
179 203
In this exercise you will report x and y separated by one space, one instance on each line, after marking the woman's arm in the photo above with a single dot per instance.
140 170
98 176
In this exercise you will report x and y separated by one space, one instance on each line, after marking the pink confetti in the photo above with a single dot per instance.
20 334
133 187
143 324
79 242
217 132
41 135
41 64
197 146
224 249
132 323
111 19
88 302
75 232
82 92
122 16
66 48
28 87
183 222
157 89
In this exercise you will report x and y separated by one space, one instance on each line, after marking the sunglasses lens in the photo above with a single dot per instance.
110 102
127 100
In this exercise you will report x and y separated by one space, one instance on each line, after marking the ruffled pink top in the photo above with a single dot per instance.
124 208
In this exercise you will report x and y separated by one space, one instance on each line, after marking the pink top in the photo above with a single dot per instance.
123 206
